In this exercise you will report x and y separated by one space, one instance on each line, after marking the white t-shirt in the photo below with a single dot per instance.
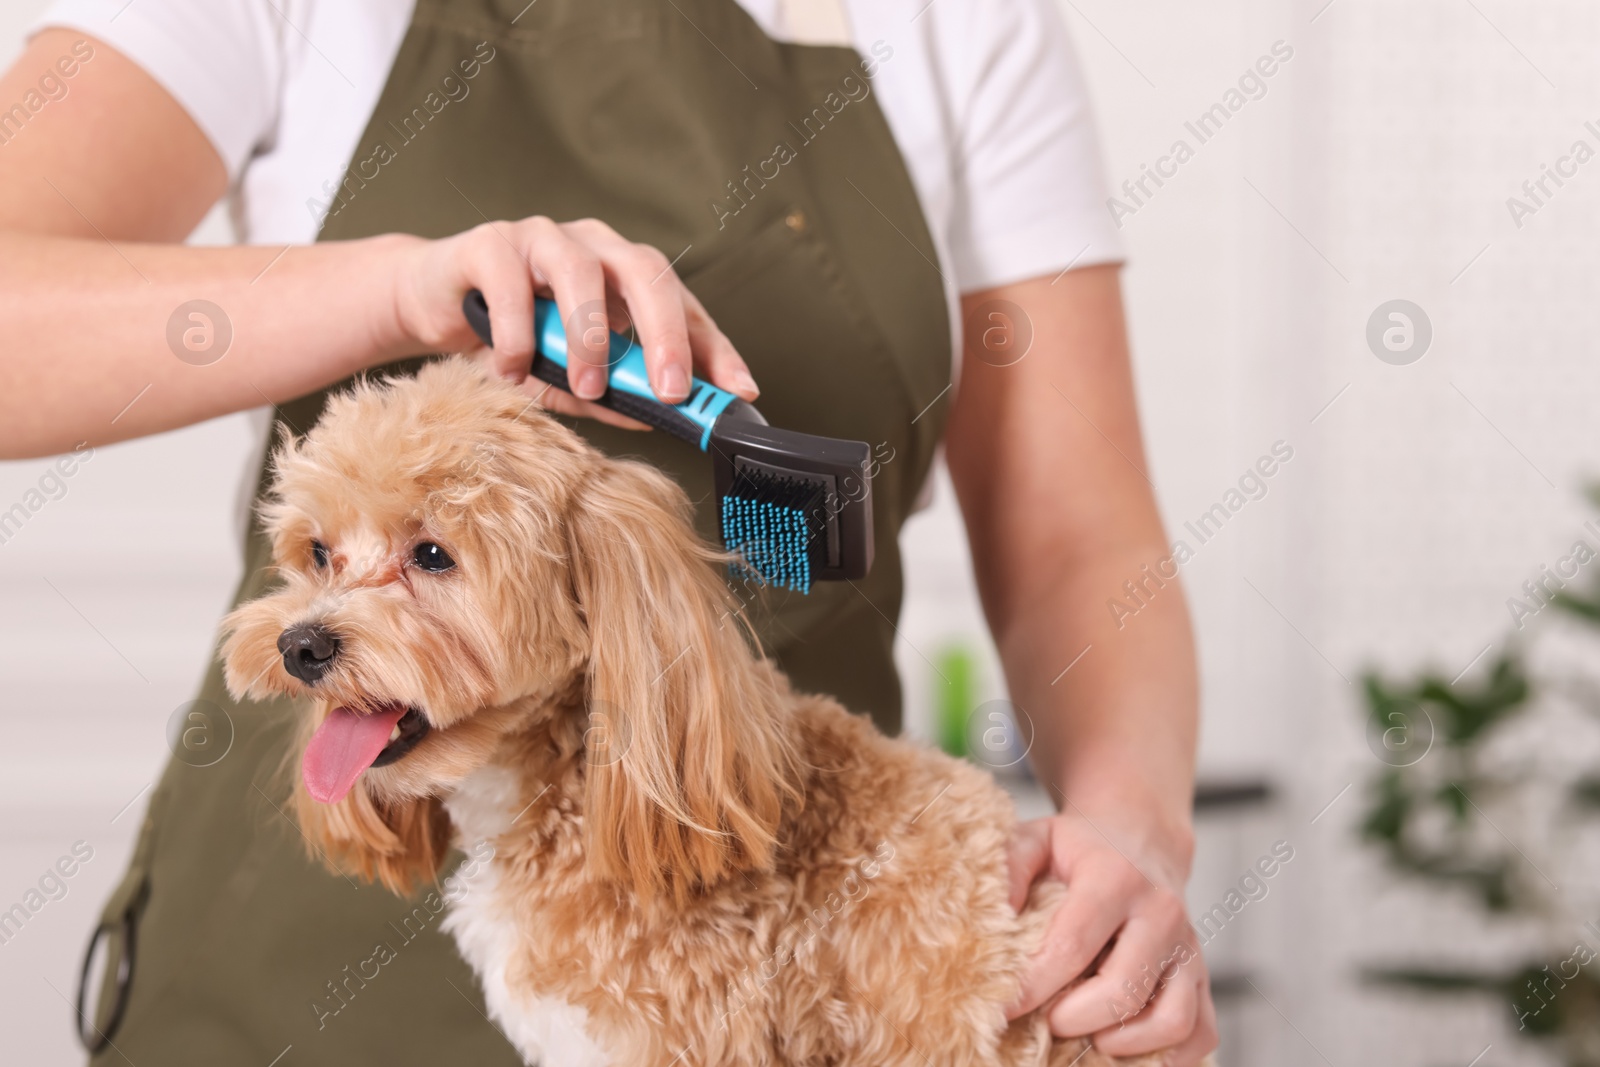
984 99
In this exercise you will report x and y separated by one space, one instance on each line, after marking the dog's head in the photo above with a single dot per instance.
457 567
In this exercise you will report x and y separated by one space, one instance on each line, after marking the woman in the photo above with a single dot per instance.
827 189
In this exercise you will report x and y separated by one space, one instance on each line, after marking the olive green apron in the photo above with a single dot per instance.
768 172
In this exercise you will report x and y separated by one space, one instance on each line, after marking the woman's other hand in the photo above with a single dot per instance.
1120 945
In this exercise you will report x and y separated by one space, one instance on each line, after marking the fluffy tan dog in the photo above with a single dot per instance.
511 642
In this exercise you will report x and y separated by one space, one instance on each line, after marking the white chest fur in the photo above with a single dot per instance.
548 1032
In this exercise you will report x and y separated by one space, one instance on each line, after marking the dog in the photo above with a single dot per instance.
511 643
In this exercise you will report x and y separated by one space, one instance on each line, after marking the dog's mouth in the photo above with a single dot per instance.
412 728
349 741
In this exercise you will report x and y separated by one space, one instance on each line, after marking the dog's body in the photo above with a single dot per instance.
687 861
882 931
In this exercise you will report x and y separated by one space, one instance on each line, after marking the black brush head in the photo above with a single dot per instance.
796 507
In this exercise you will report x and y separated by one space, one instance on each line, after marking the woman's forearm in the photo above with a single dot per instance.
103 343
96 341
1045 452
1046 457
99 337
1113 709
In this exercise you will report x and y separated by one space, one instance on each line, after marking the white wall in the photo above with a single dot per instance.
1375 167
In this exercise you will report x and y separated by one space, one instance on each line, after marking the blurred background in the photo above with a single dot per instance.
1393 688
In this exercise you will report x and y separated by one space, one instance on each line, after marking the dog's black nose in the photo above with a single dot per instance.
308 651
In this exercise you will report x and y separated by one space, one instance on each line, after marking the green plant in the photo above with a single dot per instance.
1428 812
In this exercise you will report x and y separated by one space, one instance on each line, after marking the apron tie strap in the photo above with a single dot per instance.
817 22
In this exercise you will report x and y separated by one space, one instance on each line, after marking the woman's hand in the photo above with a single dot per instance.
598 279
1121 929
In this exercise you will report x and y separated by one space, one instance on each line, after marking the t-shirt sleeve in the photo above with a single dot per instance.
1029 185
222 60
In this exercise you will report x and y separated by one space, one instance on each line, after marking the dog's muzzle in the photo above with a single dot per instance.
308 651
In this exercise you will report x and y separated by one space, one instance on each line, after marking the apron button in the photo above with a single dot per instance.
796 221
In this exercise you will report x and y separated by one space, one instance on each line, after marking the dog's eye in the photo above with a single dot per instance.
319 554
430 557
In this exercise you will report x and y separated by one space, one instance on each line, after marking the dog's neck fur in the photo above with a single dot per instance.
533 765
485 804
489 806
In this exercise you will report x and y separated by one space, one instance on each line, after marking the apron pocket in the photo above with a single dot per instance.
784 301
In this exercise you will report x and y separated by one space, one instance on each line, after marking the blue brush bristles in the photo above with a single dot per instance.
772 541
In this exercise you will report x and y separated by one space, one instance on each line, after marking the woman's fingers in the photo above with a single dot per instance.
1153 945
1149 989
672 326
543 395
1168 1019
1093 909
495 266
1204 1038
714 355
575 274
560 402
655 298
1027 857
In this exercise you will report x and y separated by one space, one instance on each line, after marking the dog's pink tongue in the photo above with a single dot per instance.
344 746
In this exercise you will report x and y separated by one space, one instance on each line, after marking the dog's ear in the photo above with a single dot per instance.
402 845
688 770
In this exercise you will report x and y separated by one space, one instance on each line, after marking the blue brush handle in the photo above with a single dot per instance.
628 389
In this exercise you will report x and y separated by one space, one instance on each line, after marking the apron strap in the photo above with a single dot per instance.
816 22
